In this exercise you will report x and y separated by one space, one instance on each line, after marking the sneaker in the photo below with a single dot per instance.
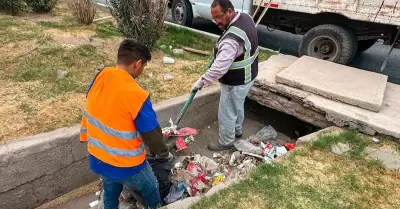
216 146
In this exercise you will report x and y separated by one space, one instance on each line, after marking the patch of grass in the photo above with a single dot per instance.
266 179
264 55
311 178
107 30
43 66
84 51
153 85
6 21
67 84
178 37
26 108
197 68
13 30
350 180
186 55
357 141
373 164
58 25
23 33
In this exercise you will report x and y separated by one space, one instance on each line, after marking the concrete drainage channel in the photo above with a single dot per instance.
40 168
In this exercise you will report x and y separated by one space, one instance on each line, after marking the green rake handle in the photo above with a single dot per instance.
185 107
189 101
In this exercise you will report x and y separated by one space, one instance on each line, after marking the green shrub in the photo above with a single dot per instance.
41 5
140 19
12 7
83 10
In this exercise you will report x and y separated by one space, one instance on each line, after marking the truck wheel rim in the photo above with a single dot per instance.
323 47
178 13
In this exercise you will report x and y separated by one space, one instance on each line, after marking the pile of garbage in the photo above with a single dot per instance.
193 175
196 174
262 145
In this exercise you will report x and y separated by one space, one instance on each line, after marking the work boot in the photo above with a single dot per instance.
216 146
238 136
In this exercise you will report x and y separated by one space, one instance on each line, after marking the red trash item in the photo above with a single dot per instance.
186 131
289 146
180 144
201 176
192 169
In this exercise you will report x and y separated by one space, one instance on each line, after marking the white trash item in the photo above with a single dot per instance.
177 51
168 60
243 145
265 134
280 151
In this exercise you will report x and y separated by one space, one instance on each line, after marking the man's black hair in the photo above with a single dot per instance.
224 4
131 51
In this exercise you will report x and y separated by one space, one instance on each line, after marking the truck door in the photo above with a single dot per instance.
203 7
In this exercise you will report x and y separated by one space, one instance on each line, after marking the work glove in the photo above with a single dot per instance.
168 158
197 85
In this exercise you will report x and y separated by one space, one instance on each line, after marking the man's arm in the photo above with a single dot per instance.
228 50
147 124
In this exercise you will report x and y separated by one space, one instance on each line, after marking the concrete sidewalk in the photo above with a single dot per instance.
336 82
320 111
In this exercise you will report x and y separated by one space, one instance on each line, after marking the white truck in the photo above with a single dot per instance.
334 30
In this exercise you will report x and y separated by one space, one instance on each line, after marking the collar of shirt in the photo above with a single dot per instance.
234 19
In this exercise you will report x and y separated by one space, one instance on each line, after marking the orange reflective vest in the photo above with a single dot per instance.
113 102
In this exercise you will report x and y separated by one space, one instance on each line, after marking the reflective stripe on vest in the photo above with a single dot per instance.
83 131
114 142
115 151
244 63
247 60
126 135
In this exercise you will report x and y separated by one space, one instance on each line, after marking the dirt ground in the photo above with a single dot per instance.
35 49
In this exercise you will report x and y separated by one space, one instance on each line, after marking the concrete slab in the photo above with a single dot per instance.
323 112
337 82
389 158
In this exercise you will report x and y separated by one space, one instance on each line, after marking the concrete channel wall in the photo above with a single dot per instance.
39 168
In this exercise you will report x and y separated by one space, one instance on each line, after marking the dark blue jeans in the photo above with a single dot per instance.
145 183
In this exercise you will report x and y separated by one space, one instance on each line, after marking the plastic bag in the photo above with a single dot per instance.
243 145
265 134
174 194
208 164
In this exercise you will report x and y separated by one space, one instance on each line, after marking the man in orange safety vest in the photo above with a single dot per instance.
117 120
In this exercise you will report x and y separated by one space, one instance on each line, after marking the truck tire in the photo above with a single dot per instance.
182 13
364 45
329 42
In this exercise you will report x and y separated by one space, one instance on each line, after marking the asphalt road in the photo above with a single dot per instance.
288 43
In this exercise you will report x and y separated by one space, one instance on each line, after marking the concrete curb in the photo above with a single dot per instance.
187 202
42 167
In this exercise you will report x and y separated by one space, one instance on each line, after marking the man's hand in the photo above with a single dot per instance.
197 85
